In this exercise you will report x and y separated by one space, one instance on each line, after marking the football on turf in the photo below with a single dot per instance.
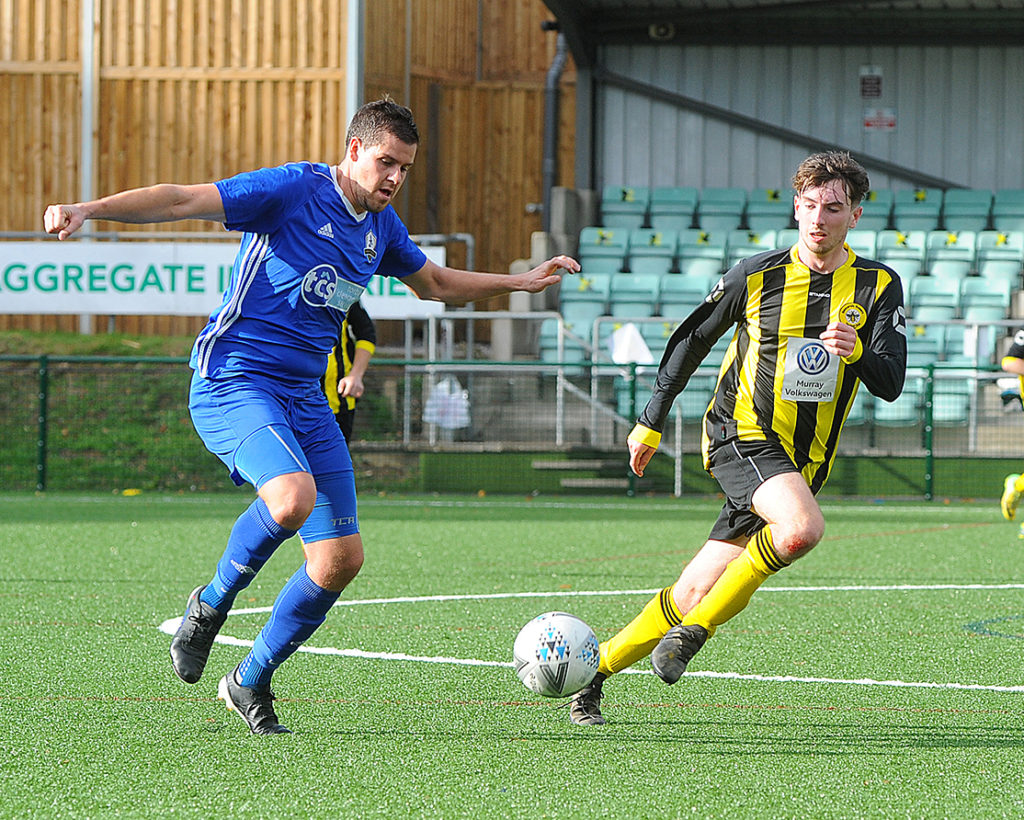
556 655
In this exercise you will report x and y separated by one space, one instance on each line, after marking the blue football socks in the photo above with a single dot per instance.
253 540
300 608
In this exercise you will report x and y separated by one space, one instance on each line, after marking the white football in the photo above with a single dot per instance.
556 655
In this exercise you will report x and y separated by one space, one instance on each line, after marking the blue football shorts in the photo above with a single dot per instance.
261 430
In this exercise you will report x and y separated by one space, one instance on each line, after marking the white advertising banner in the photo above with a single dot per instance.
154 278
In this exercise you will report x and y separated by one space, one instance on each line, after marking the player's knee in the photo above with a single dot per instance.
291 505
799 536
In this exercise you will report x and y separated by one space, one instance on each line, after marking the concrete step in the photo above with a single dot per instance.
580 464
595 483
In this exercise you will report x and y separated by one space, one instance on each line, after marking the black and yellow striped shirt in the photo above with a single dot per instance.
776 303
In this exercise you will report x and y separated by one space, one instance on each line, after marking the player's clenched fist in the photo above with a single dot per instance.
63 220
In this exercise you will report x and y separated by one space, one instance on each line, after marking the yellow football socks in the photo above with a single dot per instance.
742 576
641 635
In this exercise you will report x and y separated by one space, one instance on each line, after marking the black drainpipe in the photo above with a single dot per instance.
549 168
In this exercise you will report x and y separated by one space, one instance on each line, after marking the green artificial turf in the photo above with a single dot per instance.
880 676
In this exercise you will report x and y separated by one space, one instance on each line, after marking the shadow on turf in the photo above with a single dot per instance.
823 738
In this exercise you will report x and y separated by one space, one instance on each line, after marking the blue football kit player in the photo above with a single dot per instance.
313 236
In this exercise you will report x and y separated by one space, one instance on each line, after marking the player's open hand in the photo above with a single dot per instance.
63 220
549 273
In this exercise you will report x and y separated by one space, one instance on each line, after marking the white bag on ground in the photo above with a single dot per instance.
447 405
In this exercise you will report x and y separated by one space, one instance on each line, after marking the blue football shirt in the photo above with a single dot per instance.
305 257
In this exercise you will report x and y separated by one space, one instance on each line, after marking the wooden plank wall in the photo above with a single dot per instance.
194 90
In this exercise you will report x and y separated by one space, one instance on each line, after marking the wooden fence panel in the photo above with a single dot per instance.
194 90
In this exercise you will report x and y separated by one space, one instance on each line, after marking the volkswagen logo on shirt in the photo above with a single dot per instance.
812 358
318 285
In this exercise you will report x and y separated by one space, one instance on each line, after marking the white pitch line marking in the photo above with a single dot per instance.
170 626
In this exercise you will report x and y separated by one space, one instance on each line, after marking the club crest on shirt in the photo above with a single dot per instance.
853 315
370 248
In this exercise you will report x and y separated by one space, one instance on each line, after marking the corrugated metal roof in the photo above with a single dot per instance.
589 24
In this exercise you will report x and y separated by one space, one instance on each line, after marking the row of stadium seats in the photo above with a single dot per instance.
928 297
934 298
724 209
608 250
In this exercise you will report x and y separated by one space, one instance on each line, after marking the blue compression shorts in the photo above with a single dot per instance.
261 430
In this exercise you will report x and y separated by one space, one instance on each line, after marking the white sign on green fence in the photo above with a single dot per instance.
151 278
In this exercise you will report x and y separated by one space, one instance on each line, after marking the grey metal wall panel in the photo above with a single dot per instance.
959 113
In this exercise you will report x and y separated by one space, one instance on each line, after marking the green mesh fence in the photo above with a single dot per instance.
115 425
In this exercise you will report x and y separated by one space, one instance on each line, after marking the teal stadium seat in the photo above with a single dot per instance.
934 299
721 209
984 300
956 245
917 210
1001 270
672 208
966 209
957 269
877 211
583 301
769 209
905 410
787 237
860 410
1005 245
951 400
924 344
1008 209
624 206
681 293
634 295
697 244
861 242
742 243
907 247
603 250
573 349
957 347
652 250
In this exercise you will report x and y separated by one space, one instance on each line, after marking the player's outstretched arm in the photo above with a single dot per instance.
441 284
156 203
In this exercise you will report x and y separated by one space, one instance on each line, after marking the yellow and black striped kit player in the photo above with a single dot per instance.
777 381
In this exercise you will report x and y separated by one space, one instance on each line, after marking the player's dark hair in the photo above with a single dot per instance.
374 121
826 166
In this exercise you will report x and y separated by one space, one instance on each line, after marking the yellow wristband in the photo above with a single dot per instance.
645 435
858 351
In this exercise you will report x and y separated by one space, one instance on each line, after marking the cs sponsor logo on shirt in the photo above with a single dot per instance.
319 284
